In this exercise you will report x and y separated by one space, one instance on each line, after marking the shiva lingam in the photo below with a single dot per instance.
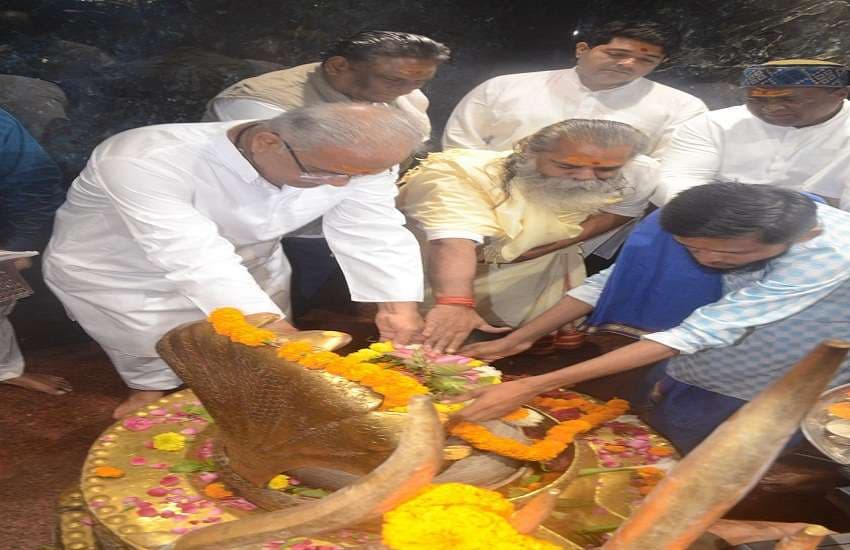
246 390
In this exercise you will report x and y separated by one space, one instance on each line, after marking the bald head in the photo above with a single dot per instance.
328 144
366 130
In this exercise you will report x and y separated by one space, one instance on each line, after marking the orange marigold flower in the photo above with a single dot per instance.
660 451
615 448
108 471
650 472
518 414
217 490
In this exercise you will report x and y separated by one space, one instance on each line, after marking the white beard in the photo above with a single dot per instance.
563 193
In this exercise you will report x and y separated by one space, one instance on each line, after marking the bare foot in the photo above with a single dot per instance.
136 400
46 383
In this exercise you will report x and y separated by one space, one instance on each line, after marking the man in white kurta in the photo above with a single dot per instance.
795 125
607 83
167 223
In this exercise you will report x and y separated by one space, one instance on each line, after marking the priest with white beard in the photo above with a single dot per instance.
501 230
168 223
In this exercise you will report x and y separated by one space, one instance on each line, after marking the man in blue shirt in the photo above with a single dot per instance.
734 285
30 192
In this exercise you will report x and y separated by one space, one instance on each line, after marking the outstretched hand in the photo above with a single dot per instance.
448 326
491 402
400 325
495 349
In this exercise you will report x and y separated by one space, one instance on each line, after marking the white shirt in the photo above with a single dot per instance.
733 145
507 108
176 210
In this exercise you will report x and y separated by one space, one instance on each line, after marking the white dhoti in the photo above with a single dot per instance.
128 323
11 360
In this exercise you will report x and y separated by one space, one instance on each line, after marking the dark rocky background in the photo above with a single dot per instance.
78 71
128 63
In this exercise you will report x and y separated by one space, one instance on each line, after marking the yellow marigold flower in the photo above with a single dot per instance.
108 471
169 441
454 516
217 490
382 347
363 355
279 482
474 363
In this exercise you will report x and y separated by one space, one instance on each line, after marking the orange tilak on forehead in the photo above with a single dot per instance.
769 92
586 160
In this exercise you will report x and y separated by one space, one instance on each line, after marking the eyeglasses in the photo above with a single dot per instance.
316 177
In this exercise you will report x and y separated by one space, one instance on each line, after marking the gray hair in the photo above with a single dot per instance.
370 128
604 133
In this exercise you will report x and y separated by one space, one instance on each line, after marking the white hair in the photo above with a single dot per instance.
362 127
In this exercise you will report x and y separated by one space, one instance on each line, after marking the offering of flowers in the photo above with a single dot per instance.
401 373
443 375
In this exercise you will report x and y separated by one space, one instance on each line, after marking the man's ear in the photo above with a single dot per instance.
265 141
336 65
582 48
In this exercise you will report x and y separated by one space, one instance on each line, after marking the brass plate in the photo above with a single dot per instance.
585 503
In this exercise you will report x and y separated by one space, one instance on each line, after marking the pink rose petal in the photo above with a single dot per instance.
158 412
169 481
137 423
138 460
159 465
147 512
168 513
158 492
178 491
209 477
189 431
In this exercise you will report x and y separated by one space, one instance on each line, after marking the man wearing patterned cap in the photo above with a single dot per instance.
795 122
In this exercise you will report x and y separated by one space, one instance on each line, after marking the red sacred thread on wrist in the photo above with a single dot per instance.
465 301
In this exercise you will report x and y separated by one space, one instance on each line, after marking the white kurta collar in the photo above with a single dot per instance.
571 76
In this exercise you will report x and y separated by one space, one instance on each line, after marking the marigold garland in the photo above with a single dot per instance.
455 516
555 404
397 388
229 321
557 437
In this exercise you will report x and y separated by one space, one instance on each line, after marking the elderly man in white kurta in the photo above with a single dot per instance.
607 83
794 126
167 223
